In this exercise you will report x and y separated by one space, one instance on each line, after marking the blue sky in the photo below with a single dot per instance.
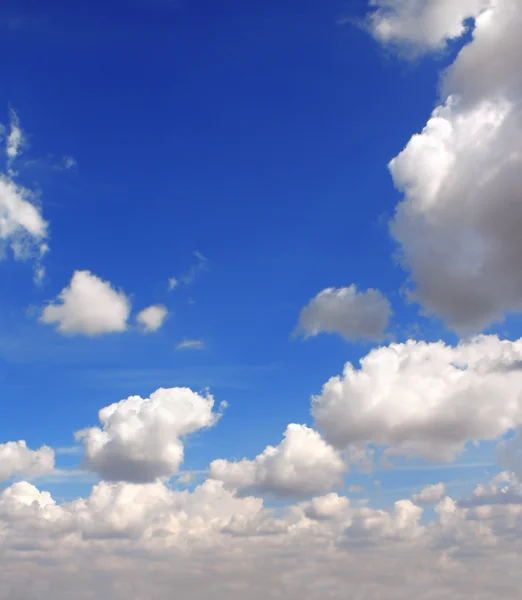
258 136
243 149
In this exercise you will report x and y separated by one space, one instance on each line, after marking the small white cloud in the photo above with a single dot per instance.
430 494
172 283
348 312
191 345
88 306
16 460
152 317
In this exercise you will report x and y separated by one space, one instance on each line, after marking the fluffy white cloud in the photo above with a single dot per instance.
348 312
17 460
88 306
152 317
302 464
430 494
423 24
458 223
141 439
331 506
425 399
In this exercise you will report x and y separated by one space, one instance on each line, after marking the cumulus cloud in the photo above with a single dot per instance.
17 460
141 439
461 177
423 24
351 313
302 464
88 306
425 399
430 494
152 317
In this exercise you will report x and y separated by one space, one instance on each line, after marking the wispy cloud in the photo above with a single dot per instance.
191 345
200 265
65 476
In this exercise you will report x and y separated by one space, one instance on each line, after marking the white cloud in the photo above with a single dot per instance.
22 226
209 542
88 306
141 439
152 317
172 283
15 139
302 464
458 223
17 460
348 312
430 494
191 345
425 399
200 265
423 24
331 506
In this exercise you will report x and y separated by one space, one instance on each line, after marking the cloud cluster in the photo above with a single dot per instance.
137 541
17 460
302 464
141 439
351 313
458 222
91 306
425 399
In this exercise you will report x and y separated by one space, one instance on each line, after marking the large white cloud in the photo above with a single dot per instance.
458 223
348 312
425 399
17 460
141 439
302 464
88 306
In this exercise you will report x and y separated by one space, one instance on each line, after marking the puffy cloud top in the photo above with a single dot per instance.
141 439
301 465
17 460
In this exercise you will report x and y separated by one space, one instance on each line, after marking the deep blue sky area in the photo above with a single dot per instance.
257 134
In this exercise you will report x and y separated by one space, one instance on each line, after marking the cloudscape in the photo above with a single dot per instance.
260 312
